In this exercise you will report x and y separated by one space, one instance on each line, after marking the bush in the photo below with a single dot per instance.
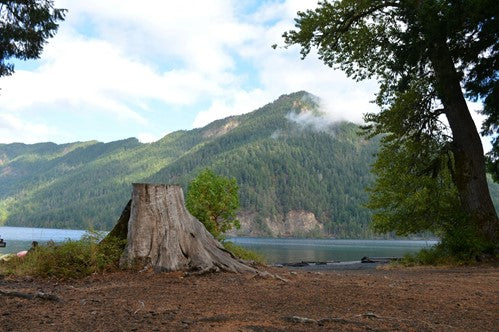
68 260
451 251
431 256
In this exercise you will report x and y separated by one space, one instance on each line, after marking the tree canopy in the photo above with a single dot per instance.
214 201
427 56
25 26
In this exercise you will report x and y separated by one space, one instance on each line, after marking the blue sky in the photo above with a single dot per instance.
122 68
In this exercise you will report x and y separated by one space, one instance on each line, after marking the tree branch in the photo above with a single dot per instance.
354 18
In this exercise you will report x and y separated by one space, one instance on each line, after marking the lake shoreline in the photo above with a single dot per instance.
275 250
336 266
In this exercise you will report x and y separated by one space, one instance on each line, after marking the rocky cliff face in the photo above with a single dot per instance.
216 131
292 224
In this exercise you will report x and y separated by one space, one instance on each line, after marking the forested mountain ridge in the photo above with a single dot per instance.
299 174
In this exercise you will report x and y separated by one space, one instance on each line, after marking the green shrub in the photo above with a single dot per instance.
441 255
108 254
105 254
432 256
68 260
214 201
244 254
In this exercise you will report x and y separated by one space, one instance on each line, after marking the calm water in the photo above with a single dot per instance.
20 238
327 250
275 250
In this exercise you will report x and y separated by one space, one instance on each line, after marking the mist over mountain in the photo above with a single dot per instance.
300 173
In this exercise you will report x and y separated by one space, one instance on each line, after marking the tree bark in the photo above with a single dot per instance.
120 230
163 235
470 179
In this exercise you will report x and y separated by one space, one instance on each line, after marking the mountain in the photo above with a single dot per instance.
299 174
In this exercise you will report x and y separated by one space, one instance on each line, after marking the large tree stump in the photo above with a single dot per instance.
163 235
120 230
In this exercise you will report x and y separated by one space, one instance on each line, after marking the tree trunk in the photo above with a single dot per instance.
470 179
163 235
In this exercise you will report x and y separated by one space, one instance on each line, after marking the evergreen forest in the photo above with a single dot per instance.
280 156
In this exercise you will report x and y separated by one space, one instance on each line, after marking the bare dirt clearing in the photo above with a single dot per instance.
382 299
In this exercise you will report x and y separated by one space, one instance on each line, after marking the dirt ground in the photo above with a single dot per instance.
415 299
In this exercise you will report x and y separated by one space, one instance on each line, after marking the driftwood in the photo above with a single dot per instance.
163 235
366 259
38 295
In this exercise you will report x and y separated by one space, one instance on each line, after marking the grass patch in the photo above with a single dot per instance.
428 257
441 256
68 260
244 254
78 259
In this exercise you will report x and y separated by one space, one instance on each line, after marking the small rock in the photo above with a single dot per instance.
298 319
370 314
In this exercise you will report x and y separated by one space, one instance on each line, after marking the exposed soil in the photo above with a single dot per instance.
463 299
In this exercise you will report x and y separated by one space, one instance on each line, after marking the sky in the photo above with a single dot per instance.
122 68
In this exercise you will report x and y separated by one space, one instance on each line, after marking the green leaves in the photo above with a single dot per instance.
393 41
25 27
423 54
214 201
349 34
414 191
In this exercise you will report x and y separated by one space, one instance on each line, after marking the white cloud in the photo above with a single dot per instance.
130 60
233 103
192 34
81 74
147 138
13 129
282 71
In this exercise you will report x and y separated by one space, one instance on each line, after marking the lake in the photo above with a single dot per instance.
275 250
20 238
327 250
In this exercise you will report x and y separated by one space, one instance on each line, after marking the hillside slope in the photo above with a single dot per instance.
295 178
299 174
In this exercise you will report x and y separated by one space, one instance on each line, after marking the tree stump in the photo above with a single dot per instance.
163 235
120 230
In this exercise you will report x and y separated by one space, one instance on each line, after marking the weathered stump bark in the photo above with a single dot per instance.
163 235
120 230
